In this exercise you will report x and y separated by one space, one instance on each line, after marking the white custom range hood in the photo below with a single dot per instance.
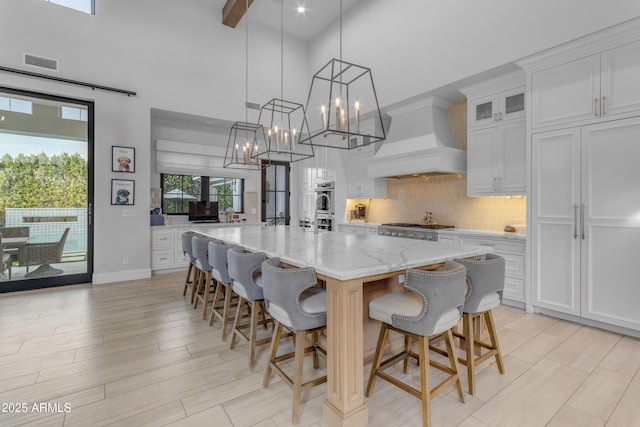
419 143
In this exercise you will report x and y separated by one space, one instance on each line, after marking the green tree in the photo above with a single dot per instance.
39 181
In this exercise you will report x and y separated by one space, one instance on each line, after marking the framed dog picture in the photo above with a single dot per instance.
122 192
123 159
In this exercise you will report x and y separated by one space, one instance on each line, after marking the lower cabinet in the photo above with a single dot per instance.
513 252
166 248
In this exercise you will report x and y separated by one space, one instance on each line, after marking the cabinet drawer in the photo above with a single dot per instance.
182 259
163 239
162 258
500 245
513 289
513 264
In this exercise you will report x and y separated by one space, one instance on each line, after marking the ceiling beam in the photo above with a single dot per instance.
233 11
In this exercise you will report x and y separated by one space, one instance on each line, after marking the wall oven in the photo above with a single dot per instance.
325 205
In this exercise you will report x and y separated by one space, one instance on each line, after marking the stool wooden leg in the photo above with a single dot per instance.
226 312
236 322
407 349
469 340
255 311
186 281
425 395
297 379
453 360
493 335
275 343
208 281
377 359
195 285
216 299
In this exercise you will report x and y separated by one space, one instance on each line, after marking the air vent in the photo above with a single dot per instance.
38 61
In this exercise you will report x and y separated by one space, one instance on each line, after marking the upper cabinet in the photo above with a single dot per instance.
498 107
588 89
496 141
359 184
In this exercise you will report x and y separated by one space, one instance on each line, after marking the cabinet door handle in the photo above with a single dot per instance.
595 107
495 117
500 116
487 244
575 221
582 221
500 184
604 105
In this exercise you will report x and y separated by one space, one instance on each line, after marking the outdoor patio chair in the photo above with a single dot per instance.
42 254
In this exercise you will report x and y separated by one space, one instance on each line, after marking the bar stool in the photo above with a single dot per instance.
430 306
294 303
220 273
485 279
245 270
187 248
203 289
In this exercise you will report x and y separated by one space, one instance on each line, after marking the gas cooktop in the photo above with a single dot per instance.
408 225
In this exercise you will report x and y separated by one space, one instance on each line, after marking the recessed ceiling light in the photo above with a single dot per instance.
301 9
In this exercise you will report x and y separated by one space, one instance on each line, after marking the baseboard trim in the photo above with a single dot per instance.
121 276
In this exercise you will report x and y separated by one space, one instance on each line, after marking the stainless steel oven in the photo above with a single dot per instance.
325 205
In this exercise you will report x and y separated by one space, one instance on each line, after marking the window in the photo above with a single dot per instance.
16 105
73 113
86 6
179 190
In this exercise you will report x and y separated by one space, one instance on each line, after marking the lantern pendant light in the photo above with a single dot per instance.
246 139
284 121
342 108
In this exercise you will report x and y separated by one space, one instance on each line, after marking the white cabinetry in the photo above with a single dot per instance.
513 252
163 243
585 222
496 141
496 160
589 88
359 184
497 107
358 228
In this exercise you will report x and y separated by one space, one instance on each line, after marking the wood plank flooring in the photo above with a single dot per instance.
136 354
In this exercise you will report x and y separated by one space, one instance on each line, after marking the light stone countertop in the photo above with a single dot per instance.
342 256
200 225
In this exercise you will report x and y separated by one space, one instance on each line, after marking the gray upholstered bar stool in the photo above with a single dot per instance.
187 248
220 273
485 279
203 288
245 270
430 306
294 303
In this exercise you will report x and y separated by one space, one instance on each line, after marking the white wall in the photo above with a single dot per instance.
176 55
416 46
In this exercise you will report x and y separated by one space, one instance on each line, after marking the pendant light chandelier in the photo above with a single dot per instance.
285 121
342 108
246 139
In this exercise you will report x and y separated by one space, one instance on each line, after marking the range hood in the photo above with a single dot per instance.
419 143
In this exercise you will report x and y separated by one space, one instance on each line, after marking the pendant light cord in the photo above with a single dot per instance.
246 62
340 30
281 49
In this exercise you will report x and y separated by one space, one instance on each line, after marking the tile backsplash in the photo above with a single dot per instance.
446 197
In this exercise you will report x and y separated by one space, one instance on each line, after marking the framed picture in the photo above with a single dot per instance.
123 159
122 192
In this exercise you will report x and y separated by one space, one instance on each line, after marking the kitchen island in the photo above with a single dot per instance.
346 262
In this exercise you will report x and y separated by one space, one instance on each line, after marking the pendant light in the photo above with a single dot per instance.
246 139
342 108
284 121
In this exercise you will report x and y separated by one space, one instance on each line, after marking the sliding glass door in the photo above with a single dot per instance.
46 190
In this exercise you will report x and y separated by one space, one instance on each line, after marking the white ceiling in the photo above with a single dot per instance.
319 15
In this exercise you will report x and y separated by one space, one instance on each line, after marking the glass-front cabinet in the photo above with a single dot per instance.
503 106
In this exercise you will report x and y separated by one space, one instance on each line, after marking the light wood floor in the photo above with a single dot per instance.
136 354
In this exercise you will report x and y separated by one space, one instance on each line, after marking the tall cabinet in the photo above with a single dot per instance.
584 199
496 139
